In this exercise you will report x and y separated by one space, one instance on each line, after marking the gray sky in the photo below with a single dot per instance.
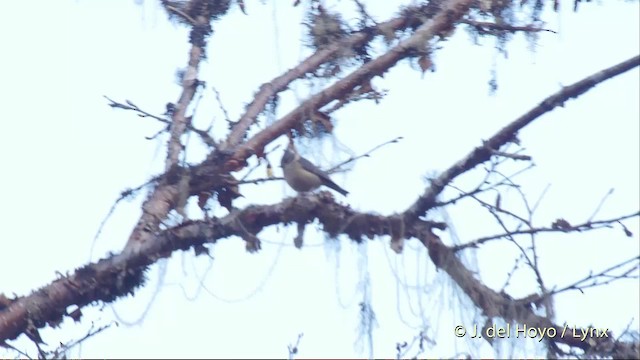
68 156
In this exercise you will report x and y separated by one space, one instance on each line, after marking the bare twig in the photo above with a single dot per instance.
134 107
510 274
509 132
61 351
604 198
505 181
511 156
165 196
494 209
539 200
180 13
363 12
591 225
448 13
244 180
366 154
603 277
123 195
221 105
204 135
293 349
493 27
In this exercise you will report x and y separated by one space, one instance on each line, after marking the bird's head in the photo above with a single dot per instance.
288 156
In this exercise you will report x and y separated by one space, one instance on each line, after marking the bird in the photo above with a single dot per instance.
302 175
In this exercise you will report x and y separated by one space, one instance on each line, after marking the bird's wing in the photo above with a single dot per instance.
308 165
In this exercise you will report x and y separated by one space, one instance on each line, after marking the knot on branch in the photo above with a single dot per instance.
397 232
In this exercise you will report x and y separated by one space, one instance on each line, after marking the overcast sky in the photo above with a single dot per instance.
68 156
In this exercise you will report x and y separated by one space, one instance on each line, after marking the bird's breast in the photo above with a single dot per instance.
300 179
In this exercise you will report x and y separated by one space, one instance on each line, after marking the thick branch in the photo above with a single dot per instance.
311 64
121 274
450 12
210 174
508 134
164 197
496 305
268 90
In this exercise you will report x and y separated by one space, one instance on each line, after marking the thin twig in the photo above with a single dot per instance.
366 154
578 285
604 198
591 225
293 349
204 135
508 134
181 13
493 27
219 100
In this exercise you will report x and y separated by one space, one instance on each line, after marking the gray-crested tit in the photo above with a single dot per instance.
302 175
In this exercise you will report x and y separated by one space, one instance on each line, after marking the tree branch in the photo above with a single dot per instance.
482 153
440 23
495 305
121 274
355 40
165 197
589 225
